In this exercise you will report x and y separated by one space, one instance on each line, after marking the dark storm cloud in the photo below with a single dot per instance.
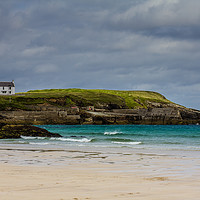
172 18
112 44
179 33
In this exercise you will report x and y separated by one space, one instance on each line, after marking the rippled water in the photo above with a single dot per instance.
169 137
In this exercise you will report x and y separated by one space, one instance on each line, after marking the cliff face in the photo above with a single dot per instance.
94 107
166 115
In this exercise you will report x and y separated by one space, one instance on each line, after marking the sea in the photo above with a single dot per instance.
167 151
146 137
164 156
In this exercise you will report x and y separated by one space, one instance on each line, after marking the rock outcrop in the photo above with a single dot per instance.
16 131
166 115
78 106
159 115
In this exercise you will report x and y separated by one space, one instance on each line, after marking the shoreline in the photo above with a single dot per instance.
83 173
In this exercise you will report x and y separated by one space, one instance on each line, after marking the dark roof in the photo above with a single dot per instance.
7 84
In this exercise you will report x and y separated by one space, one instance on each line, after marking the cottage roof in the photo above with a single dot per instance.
7 84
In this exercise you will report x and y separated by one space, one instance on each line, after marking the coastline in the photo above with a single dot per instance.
84 173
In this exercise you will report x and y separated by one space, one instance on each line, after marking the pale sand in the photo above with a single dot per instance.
76 175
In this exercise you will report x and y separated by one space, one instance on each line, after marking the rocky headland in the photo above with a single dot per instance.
78 106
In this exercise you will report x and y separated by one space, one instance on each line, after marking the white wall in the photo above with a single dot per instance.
7 90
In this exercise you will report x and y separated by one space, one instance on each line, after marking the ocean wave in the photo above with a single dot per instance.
129 143
32 138
39 143
172 143
72 139
22 142
118 139
112 133
16 142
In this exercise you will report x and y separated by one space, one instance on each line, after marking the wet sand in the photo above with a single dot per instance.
79 174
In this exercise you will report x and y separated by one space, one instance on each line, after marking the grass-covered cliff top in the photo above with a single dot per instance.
82 97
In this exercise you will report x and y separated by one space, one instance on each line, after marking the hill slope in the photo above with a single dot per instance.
70 106
82 98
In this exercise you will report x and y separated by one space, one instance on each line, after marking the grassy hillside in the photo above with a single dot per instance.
82 97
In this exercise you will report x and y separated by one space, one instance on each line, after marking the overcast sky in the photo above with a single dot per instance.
108 44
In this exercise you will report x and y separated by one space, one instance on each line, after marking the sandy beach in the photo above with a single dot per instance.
79 174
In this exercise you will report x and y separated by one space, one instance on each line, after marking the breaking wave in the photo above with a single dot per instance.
72 139
39 143
112 133
127 143
32 138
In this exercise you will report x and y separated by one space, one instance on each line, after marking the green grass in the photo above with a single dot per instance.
81 97
132 99
17 102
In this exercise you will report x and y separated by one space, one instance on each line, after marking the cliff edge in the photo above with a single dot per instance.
79 106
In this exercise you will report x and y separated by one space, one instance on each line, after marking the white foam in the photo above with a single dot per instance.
131 143
39 143
23 142
72 139
32 138
111 133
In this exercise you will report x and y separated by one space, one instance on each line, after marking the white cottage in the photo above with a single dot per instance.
7 88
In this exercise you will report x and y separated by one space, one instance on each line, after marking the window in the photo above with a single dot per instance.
9 88
3 88
10 92
4 92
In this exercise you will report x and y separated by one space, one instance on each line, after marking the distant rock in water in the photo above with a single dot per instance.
15 131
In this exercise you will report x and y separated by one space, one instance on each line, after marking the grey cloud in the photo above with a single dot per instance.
46 68
178 18
115 44
179 32
37 51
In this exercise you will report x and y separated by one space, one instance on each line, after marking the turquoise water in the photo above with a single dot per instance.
169 137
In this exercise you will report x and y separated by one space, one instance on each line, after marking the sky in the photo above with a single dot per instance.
151 45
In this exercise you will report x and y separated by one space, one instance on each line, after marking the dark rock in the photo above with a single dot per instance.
190 114
15 131
2 124
113 106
